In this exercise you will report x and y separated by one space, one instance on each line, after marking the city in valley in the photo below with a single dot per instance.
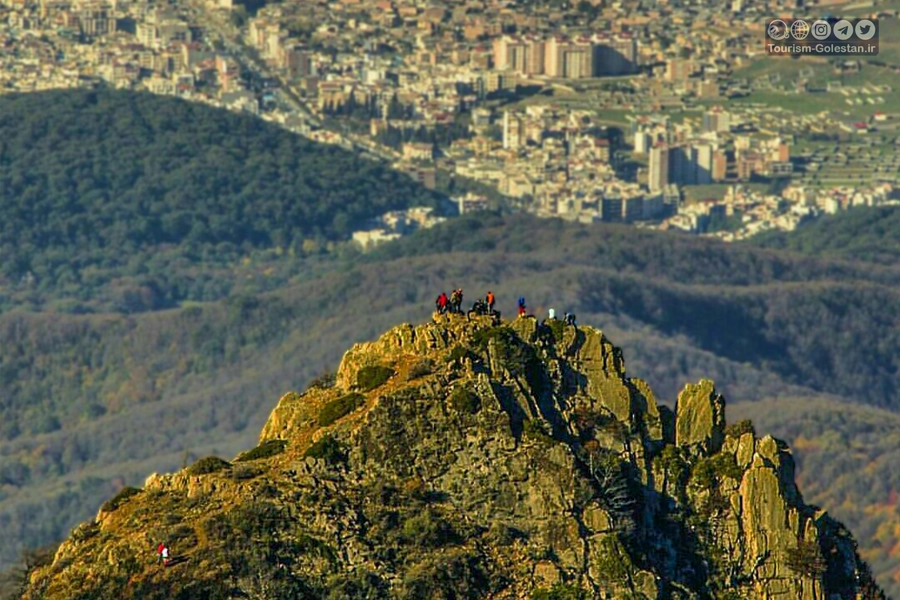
665 114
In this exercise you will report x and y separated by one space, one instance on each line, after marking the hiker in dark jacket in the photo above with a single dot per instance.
456 299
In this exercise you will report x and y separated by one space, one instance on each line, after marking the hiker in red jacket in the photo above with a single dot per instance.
490 301
442 303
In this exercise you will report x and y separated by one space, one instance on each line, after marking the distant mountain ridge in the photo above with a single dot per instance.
474 459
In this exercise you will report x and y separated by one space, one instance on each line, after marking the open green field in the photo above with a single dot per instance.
577 101
614 117
815 69
808 104
819 75
889 37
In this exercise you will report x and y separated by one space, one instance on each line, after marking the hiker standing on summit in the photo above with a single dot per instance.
490 301
456 299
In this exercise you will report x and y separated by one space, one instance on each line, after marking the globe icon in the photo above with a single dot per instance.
799 29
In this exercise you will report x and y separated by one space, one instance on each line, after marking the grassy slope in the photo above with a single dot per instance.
202 379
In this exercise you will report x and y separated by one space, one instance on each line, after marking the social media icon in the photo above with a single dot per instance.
843 29
799 29
821 29
777 30
865 29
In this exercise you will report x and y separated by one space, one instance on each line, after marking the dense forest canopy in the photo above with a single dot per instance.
861 233
94 185
95 399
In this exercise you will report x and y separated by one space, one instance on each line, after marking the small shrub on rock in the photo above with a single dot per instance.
612 560
264 450
740 428
119 499
245 472
85 531
673 463
459 570
183 536
459 353
427 529
501 534
358 584
806 559
323 381
371 377
559 591
504 335
708 471
537 431
421 369
207 465
704 474
340 407
557 329
328 449
726 465
465 401
414 487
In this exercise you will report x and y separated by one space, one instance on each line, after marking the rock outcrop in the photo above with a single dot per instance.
700 418
467 459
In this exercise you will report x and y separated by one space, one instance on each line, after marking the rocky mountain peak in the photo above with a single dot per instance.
475 459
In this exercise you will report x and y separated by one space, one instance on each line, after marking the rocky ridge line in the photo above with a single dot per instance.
462 459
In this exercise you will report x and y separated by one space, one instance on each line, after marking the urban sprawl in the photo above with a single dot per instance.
659 113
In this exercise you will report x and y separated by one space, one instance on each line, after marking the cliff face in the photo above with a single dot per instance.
461 459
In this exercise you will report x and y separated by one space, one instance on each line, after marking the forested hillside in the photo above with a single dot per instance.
110 398
123 201
861 233
191 240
